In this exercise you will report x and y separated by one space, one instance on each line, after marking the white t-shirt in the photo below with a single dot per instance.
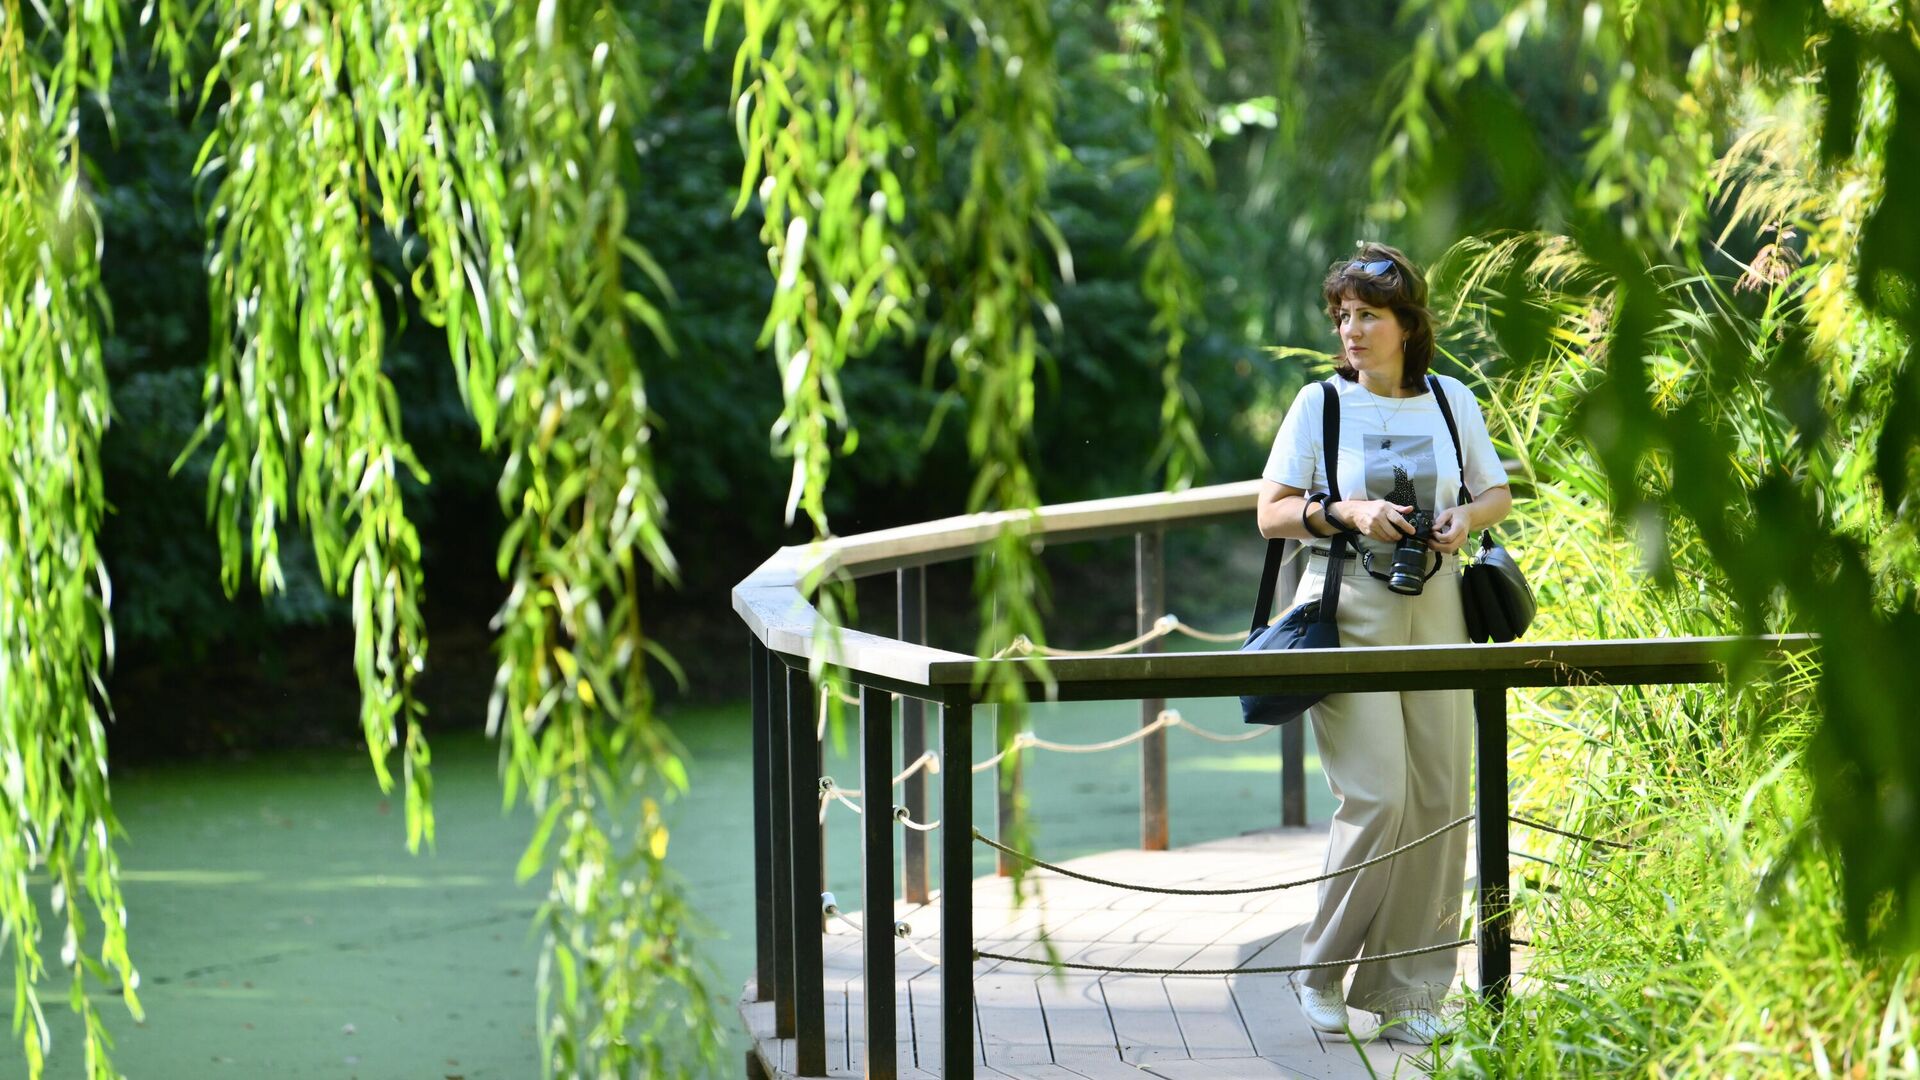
1390 448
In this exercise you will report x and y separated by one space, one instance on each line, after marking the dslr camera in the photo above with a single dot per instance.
1409 574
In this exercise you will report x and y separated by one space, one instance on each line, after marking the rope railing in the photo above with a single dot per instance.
1168 890
1027 740
927 760
902 930
1168 718
1022 645
1206 635
1259 731
1277 969
831 790
1166 624
905 817
827 693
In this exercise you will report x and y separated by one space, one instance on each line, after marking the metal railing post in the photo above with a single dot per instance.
809 964
1293 773
780 821
876 833
956 886
1149 603
822 709
1293 737
912 591
763 946
1490 843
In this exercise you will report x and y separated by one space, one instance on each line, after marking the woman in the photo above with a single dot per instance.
1398 762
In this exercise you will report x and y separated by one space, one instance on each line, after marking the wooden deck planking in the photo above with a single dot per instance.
1039 1071
903 1034
1142 1009
1203 1006
1244 1068
925 1004
1013 1027
1209 1019
1078 1018
1099 1067
1282 1034
1077 1022
1031 1024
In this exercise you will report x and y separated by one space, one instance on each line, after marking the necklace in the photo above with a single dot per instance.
1384 418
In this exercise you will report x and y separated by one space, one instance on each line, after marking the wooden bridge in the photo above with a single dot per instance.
831 1000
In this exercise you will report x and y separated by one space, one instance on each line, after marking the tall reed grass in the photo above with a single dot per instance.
1715 944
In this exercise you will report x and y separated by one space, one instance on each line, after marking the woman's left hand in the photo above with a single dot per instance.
1451 527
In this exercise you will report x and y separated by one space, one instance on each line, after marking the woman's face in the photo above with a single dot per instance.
1371 339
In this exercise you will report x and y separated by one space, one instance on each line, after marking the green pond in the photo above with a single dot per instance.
282 929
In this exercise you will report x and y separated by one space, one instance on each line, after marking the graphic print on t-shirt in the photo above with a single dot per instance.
1400 469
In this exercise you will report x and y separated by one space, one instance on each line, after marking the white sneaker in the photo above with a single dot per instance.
1415 1025
1324 1009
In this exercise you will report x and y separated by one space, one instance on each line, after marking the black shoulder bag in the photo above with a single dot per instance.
1309 625
1493 592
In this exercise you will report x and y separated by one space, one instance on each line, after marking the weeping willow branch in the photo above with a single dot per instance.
309 423
1176 111
56 637
821 158
998 280
621 990
428 132
838 141
825 146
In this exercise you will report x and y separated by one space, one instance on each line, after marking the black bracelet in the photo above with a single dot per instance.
1306 522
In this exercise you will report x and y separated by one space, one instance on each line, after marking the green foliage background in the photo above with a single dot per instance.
998 252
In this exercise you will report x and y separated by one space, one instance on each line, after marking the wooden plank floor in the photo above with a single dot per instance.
1088 1026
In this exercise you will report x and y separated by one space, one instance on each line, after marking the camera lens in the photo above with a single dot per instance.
1409 574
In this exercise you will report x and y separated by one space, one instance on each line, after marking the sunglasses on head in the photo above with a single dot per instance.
1374 267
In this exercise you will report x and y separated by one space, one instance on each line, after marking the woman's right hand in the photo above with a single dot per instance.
1377 518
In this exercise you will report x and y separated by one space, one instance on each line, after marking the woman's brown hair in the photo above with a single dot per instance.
1402 290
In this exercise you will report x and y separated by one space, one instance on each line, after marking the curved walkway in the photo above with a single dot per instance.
1031 1023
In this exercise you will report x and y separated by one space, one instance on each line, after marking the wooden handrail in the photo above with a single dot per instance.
775 610
771 603
930 542
1396 667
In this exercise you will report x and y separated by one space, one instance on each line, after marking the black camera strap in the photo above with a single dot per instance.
1276 549
1453 432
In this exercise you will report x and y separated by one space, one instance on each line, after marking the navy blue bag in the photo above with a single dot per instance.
1310 625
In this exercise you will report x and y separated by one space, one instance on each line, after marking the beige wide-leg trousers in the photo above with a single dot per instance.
1399 764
